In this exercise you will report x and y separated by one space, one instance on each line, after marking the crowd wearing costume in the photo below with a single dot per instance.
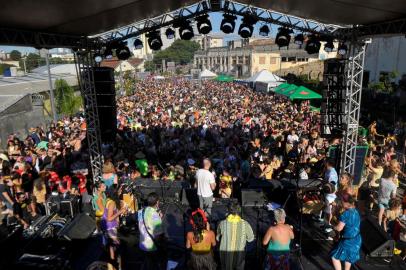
216 137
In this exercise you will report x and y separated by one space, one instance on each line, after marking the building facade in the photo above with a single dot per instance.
383 56
209 41
243 59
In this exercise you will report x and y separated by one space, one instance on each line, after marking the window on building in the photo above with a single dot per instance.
284 59
240 59
247 60
262 60
234 60
272 60
291 59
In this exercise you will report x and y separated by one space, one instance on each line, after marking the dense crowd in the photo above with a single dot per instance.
217 137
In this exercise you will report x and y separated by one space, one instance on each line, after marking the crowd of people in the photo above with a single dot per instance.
217 137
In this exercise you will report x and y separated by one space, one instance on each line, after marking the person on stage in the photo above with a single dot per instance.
277 239
201 242
152 236
206 184
110 223
233 233
348 247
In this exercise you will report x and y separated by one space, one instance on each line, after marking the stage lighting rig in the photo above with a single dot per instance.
342 49
264 30
122 51
329 45
228 23
283 37
247 26
313 44
98 57
138 44
185 29
299 38
170 33
203 24
155 40
108 52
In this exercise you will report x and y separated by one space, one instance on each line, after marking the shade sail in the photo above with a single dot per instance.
207 74
281 87
265 76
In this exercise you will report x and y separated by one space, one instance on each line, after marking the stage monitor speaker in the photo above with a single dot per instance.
375 240
106 102
80 228
253 197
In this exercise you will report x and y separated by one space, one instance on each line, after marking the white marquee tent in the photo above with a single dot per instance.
207 74
265 76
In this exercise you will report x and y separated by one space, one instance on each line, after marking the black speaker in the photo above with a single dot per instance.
106 102
253 197
375 240
190 197
80 228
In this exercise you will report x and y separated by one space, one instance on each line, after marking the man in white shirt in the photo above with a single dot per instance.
205 185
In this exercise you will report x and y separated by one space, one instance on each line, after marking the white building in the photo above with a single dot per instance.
384 55
209 41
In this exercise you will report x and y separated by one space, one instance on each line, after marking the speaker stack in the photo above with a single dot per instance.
106 102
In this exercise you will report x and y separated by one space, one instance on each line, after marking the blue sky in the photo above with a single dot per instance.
215 18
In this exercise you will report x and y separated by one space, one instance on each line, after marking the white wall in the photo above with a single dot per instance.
385 54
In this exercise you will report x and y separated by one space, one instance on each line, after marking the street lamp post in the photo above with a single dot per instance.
51 89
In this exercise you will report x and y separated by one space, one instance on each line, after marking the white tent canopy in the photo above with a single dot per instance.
207 74
265 76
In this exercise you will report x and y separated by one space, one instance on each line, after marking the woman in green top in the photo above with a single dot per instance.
278 238
99 201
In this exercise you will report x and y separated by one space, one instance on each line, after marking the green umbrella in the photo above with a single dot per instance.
287 91
224 78
314 109
302 92
281 87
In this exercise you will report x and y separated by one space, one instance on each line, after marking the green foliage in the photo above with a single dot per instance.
66 101
15 55
32 61
180 52
149 66
386 82
129 83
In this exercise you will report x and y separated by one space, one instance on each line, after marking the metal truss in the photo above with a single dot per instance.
39 40
230 7
354 74
85 63
395 27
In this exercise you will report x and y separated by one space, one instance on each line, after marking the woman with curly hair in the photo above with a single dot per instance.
201 241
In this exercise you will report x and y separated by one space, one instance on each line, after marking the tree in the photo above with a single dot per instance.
180 52
149 66
66 101
15 55
32 61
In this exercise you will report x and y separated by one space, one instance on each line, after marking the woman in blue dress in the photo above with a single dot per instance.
348 248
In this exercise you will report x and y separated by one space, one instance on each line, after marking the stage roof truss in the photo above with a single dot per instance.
229 7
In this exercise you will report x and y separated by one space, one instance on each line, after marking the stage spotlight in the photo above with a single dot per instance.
123 52
203 24
186 30
138 44
264 30
97 57
170 33
154 40
299 38
312 45
342 49
228 23
247 26
108 52
283 37
329 45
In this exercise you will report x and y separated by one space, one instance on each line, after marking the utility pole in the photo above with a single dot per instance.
51 89
25 66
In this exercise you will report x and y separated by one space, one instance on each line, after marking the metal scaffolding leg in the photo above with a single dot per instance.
355 70
85 63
